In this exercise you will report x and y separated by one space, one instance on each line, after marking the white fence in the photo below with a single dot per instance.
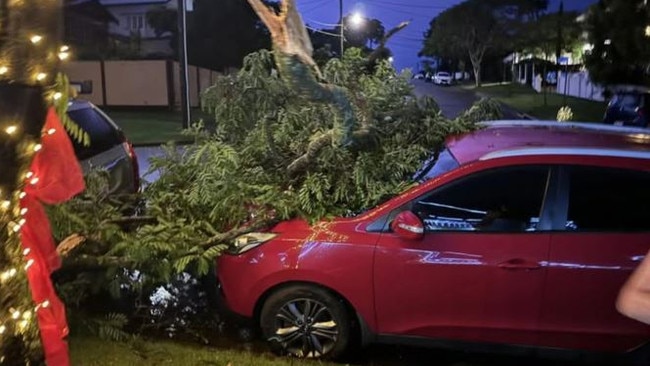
579 85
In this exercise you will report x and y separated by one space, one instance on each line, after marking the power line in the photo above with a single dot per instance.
323 24
410 6
320 31
414 14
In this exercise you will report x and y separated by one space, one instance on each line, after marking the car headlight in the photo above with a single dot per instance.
246 242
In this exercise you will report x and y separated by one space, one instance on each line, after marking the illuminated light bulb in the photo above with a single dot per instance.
57 96
64 48
4 276
3 70
34 180
36 38
5 205
11 129
26 251
29 175
27 314
41 76
45 303
12 272
22 195
2 329
23 324
15 314
29 263
64 56
23 211
38 147
51 131
21 222
16 228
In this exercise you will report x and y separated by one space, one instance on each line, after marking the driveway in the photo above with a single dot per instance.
453 100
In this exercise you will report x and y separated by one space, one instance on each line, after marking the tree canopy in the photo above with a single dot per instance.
475 28
621 47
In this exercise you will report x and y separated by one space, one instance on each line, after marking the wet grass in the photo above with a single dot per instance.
92 351
526 100
152 126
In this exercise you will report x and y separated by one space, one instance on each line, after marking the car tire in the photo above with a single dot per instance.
307 322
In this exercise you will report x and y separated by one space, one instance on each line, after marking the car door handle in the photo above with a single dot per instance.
519 264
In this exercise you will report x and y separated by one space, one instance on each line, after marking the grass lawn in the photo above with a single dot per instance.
151 126
526 100
91 351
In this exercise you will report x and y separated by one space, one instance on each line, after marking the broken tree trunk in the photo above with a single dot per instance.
293 57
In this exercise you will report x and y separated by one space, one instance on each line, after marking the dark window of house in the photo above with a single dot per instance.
103 136
606 199
504 199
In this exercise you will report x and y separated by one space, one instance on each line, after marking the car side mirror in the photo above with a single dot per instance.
407 225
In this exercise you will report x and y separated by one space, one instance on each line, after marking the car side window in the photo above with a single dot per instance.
608 199
504 199
103 136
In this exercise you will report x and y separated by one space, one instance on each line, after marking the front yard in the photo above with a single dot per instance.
92 351
154 126
526 100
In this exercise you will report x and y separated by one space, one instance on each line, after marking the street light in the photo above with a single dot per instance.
356 20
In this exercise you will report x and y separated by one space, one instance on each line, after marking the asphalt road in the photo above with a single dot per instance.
453 99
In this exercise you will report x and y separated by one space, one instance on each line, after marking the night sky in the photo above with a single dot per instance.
407 43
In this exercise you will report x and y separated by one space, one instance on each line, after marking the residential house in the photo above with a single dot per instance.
86 24
132 29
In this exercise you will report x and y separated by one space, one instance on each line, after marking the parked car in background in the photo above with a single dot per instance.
109 148
512 238
628 108
442 78
419 76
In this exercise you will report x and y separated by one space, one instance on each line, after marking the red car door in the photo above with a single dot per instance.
477 274
605 235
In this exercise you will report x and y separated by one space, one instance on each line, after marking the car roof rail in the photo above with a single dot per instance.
567 151
568 125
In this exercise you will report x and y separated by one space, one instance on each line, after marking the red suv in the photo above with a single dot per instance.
521 234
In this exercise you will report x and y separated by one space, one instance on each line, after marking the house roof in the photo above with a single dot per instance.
90 9
522 137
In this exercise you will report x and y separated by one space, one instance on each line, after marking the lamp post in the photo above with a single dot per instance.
342 25
182 62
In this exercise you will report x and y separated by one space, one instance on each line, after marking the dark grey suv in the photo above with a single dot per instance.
109 149
628 108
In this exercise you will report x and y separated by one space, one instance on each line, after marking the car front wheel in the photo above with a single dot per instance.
306 322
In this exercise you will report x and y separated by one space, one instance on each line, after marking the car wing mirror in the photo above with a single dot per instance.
407 225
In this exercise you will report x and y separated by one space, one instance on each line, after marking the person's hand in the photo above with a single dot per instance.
634 298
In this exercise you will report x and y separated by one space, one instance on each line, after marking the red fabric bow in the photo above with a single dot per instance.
56 178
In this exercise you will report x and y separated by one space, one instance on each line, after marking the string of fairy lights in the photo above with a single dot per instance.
30 54
18 320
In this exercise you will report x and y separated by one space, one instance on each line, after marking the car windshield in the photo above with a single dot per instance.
438 164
